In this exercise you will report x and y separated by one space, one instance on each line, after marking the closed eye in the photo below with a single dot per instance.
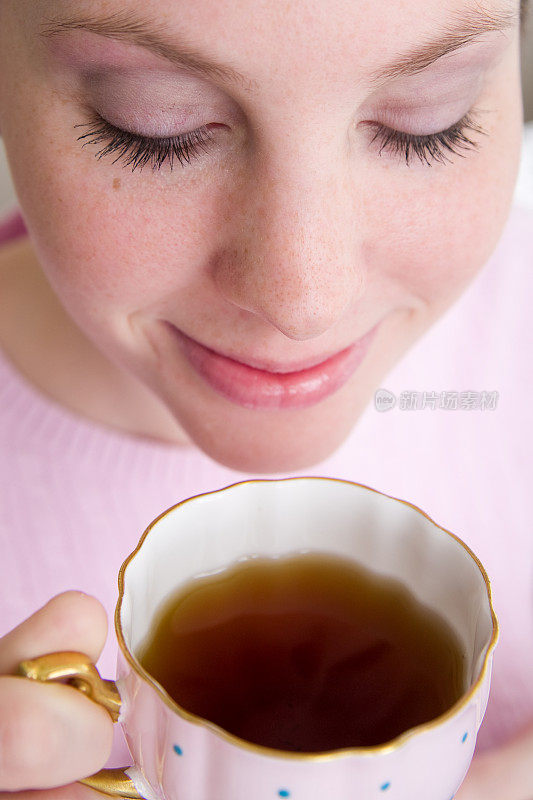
137 151
430 148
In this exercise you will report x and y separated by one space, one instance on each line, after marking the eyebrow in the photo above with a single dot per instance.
132 29
467 28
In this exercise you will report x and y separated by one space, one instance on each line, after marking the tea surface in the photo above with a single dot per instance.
305 653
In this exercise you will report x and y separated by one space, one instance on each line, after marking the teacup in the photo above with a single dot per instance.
179 756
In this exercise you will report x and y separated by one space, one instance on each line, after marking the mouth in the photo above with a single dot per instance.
266 385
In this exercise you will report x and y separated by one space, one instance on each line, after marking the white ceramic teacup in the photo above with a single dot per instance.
178 756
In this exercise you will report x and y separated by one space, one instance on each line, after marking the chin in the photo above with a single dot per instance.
258 455
268 442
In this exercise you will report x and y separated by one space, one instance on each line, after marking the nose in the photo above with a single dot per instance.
294 260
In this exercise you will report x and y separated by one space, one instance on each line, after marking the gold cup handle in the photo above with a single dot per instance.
77 670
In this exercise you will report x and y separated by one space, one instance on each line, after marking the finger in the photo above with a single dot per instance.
50 735
69 621
74 791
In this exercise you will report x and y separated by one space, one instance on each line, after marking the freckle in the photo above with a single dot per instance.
116 183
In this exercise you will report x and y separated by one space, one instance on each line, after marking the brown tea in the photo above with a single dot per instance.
306 653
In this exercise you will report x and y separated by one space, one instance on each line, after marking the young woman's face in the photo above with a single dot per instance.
305 226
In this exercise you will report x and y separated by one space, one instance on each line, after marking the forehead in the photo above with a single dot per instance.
358 25
315 42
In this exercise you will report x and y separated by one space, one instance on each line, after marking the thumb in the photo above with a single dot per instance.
51 734
74 791
69 621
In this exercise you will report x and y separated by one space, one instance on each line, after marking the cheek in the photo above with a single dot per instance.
112 241
442 223
433 243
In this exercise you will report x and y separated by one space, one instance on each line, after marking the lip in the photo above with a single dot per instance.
278 387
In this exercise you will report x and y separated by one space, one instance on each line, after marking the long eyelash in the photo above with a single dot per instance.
137 151
434 147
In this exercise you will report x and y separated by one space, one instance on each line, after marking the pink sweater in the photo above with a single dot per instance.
75 496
